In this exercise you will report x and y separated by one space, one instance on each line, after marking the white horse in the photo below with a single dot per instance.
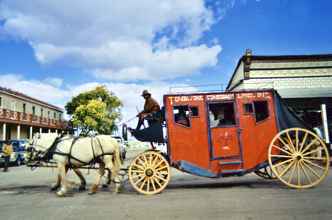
69 152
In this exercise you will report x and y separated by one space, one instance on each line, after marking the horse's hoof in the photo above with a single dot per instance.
60 194
91 193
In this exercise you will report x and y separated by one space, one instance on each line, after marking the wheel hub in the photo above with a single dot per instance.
298 157
149 172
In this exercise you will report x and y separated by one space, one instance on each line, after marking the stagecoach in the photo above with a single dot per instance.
226 134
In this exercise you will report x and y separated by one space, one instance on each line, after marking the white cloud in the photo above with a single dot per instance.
118 39
42 90
57 82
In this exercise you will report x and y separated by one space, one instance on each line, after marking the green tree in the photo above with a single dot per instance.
96 110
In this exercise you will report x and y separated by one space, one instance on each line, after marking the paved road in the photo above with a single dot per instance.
24 194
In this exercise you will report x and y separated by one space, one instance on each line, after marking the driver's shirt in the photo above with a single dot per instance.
151 105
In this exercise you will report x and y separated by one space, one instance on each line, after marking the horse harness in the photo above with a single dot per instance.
53 151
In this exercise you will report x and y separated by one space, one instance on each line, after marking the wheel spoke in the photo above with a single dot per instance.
305 172
141 162
138 171
315 158
308 146
281 156
154 161
313 164
158 183
286 145
145 159
282 163
292 173
303 141
286 169
153 184
313 151
143 184
290 141
140 180
312 170
158 164
298 173
150 157
161 178
138 166
297 140
161 168
148 185
287 152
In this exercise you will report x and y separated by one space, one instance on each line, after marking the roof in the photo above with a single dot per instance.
29 98
308 57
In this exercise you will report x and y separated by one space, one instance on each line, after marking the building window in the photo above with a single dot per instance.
60 116
0 102
261 110
181 115
13 106
24 108
221 114
48 114
54 115
41 112
33 110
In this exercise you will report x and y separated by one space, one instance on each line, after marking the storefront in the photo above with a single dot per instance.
303 81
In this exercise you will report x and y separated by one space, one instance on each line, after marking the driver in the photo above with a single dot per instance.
150 106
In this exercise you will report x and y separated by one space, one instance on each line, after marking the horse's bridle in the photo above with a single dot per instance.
36 155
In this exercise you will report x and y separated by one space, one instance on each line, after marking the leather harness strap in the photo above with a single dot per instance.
53 150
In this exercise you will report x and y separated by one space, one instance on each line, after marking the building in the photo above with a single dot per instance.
303 81
21 116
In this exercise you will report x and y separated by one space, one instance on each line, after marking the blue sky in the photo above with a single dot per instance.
55 49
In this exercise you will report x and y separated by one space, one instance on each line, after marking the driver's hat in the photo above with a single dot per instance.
145 92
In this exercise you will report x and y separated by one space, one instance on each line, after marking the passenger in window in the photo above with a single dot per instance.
182 118
213 120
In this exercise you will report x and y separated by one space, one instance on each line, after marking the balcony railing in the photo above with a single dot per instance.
34 120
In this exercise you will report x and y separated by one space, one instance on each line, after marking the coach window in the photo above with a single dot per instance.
221 114
247 108
181 115
194 111
261 110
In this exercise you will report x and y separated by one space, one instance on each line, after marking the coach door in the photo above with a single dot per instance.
223 129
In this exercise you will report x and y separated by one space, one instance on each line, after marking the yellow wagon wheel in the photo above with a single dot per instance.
299 158
149 173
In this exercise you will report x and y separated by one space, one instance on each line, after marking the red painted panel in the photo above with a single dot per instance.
225 142
189 144
256 137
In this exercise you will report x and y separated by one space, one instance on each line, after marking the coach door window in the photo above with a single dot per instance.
221 114
261 110
182 115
